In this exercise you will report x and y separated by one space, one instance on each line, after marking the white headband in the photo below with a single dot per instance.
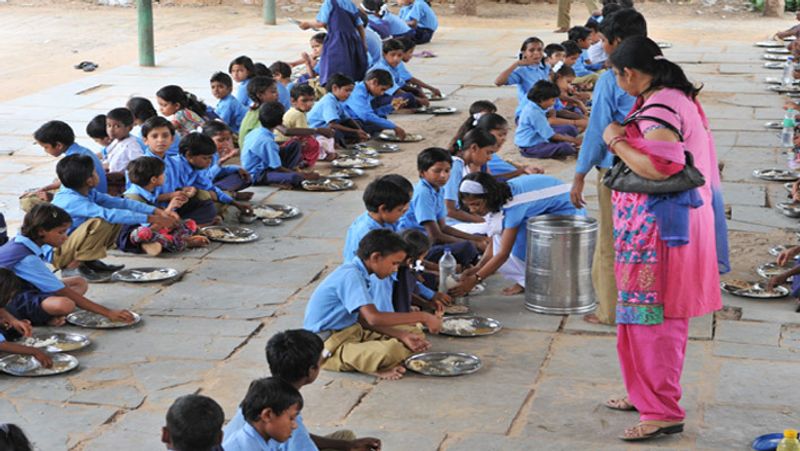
557 66
659 57
471 187
476 117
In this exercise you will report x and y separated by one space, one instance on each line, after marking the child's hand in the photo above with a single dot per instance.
167 214
244 208
400 133
530 169
304 25
123 316
190 191
162 222
43 357
398 103
364 444
177 203
787 255
363 136
423 101
775 281
311 175
435 92
433 323
418 343
23 326
442 299
179 196
244 174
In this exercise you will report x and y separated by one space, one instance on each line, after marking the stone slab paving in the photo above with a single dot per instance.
544 377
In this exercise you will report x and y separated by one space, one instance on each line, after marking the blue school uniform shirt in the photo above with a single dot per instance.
374 46
525 77
115 210
284 97
395 24
422 12
171 150
335 303
149 196
609 103
260 152
77 149
518 216
328 109
454 182
32 268
533 128
248 439
181 174
379 289
324 13
241 93
300 439
427 204
399 74
498 166
580 68
231 111
359 106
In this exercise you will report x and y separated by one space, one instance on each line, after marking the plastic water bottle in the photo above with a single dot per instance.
787 134
789 442
788 73
447 270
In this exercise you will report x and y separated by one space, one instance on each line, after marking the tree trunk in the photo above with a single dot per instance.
468 7
774 8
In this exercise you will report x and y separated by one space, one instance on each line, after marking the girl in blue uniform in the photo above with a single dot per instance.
525 72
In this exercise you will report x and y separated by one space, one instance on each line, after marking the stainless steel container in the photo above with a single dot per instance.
558 275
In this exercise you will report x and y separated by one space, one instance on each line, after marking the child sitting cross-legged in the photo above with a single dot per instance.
359 104
143 110
57 139
357 335
231 178
44 299
329 112
125 147
419 15
315 143
270 409
574 60
194 423
261 89
569 109
264 160
146 175
296 357
535 137
228 108
392 62
10 286
409 292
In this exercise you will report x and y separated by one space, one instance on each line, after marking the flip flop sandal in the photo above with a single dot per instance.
664 430
621 404
82 64
90 67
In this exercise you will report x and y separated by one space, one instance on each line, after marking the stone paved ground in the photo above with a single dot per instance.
544 376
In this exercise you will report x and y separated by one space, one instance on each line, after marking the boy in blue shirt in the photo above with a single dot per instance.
97 220
386 24
574 58
282 73
393 54
534 136
270 409
296 356
229 108
427 212
359 104
357 336
230 178
57 138
419 15
266 162
329 112
190 170
194 423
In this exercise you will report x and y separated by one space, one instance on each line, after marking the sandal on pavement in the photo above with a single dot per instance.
640 432
622 404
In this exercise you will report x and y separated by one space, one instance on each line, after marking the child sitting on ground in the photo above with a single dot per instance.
357 336
261 90
96 129
583 66
264 160
57 139
384 22
184 111
10 286
574 59
475 151
427 211
242 70
282 73
310 61
501 169
392 62
568 105
554 54
228 108
414 85
143 110
190 170
535 137
295 128
270 409
194 423
295 356
595 54
525 72
359 104
147 175
44 299
329 112
231 178
125 147
409 292
419 15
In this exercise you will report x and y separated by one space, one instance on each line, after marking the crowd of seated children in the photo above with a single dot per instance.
397 96
384 22
419 15
315 143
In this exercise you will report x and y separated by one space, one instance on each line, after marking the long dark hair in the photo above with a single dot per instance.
497 192
176 94
642 54
13 438
491 121
43 217
481 106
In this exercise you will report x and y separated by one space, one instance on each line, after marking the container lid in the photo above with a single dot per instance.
562 224
790 433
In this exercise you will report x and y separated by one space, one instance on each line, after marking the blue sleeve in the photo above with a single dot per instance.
513 217
273 155
241 93
359 106
324 12
114 215
104 200
424 291
543 127
353 292
425 208
329 112
580 66
515 78
404 74
225 171
283 96
34 271
204 182
451 188
226 112
593 150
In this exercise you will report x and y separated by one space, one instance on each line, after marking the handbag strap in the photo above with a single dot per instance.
638 116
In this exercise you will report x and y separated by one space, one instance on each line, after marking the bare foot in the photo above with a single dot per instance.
591 318
57 321
392 374
513 289
197 241
152 249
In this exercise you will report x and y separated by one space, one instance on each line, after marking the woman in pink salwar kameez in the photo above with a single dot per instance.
666 246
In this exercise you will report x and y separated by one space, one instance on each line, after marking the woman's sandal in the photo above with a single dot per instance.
622 404
638 434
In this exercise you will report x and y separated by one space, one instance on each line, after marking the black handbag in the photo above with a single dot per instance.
622 178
